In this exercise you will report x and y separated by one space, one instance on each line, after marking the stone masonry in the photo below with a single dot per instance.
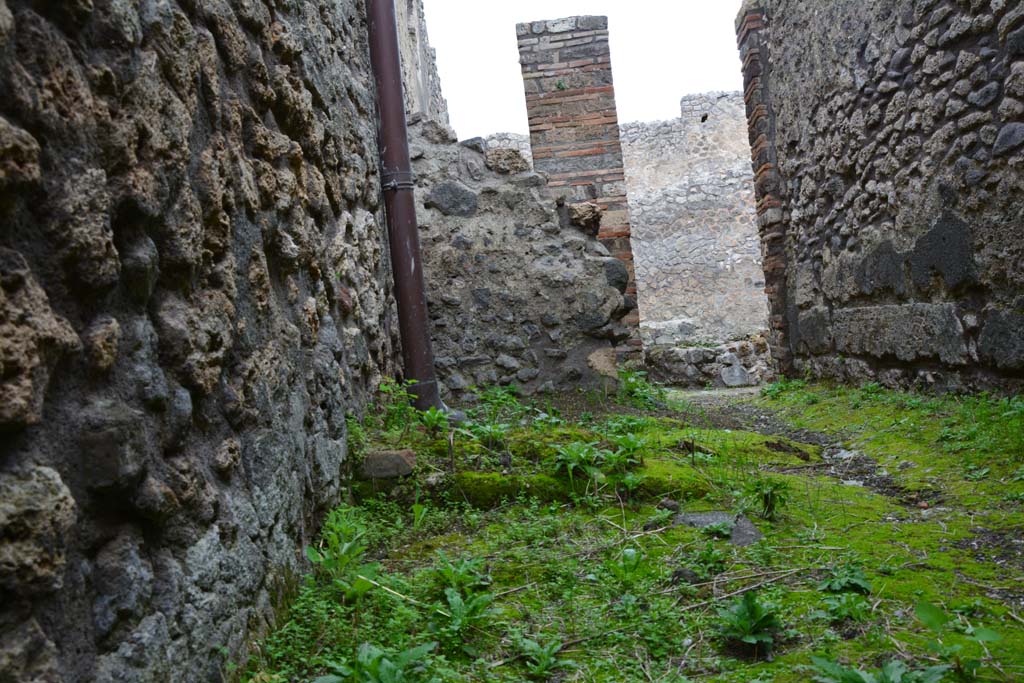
695 240
517 293
194 291
570 101
888 150
422 82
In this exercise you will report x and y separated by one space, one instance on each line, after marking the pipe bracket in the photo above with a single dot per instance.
393 181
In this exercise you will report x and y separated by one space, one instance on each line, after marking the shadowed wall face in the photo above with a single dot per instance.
194 291
888 151
574 128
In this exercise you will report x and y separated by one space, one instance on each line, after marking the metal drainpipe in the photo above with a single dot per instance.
399 204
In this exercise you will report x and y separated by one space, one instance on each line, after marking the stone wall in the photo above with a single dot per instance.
516 141
193 292
695 239
422 82
574 126
516 292
888 149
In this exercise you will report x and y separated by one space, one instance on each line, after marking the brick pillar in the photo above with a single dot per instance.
769 185
574 127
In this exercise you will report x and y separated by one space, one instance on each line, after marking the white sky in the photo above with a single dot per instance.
661 50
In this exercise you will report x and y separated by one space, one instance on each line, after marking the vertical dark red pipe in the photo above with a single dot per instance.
399 203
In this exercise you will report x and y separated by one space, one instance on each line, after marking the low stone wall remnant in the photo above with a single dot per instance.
520 290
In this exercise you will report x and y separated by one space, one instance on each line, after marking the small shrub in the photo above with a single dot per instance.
750 623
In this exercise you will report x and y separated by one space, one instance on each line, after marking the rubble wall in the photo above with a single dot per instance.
194 291
517 293
888 150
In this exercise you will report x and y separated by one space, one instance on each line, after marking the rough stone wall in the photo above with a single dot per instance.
695 238
574 126
193 293
422 82
516 293
516 141
888 147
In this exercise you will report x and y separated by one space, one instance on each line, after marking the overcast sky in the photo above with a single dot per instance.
661 50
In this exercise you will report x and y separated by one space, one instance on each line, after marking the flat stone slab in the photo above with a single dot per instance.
744 532
388 464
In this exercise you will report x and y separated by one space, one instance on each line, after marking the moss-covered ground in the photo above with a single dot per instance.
537 542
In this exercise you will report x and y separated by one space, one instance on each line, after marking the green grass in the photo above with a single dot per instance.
580 580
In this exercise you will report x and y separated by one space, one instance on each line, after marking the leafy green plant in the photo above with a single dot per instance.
976 472
356 438
419 515
845 607
546 419
577 457
619 425
630 447
941 624
626 567
341 552
433 420
708 562
374 665
465 575
629 484
766 496
749 622
618 462
777 389
542 656
719 530
395 402
459 616
847 578
500 403
635 389
492 436
829 671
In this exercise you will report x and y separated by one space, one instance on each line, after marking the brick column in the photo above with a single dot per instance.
769 186
574 127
